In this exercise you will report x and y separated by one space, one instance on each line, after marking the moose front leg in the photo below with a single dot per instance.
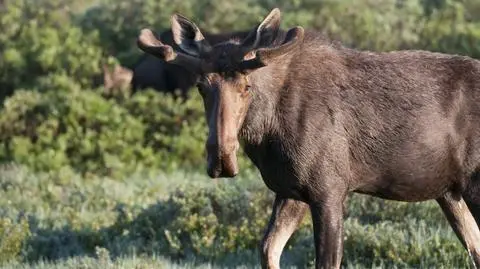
287 214
463 224
327 217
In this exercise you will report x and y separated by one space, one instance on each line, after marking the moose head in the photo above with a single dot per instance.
224 72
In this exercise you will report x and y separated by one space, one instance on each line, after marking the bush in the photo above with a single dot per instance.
58 126
175 130
205 223
452 29
50 48
76 129
13 237
38 39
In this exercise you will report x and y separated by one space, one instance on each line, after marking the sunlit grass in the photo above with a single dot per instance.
103 223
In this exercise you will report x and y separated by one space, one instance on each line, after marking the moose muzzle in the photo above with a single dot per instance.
222 159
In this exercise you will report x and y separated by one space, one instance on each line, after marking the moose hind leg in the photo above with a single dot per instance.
287 214
463 224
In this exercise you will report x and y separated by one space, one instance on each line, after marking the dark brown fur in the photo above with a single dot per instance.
320 121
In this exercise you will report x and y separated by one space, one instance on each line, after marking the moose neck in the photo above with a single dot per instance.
261 119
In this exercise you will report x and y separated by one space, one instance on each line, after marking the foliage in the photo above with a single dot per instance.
185 216
52 50
93 191
453 30
174 129
372 24
37 39
205 223
80 130
12 237
77 129
134 261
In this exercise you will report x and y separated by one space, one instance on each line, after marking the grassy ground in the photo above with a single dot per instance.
65 221
120 263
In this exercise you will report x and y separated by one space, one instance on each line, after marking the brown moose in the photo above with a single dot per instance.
119 77
320 120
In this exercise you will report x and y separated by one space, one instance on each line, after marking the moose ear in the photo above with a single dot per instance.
188 36
265 33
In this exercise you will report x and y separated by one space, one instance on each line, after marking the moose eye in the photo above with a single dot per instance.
248 87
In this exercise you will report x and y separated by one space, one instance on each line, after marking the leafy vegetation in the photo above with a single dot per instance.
82 131
185 218
55 117
92 181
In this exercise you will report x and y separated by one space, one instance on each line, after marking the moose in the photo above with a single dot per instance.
320 120
119 77
151 72
113 79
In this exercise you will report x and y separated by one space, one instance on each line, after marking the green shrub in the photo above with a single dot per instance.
77 129
59 126
403 244
206 223
452 29
38 39
175 130
13 236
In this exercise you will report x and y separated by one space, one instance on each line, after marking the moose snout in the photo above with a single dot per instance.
221 163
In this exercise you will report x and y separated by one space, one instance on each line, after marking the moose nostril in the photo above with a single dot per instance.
212 172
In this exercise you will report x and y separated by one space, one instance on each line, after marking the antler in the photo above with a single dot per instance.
264 56
150 44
